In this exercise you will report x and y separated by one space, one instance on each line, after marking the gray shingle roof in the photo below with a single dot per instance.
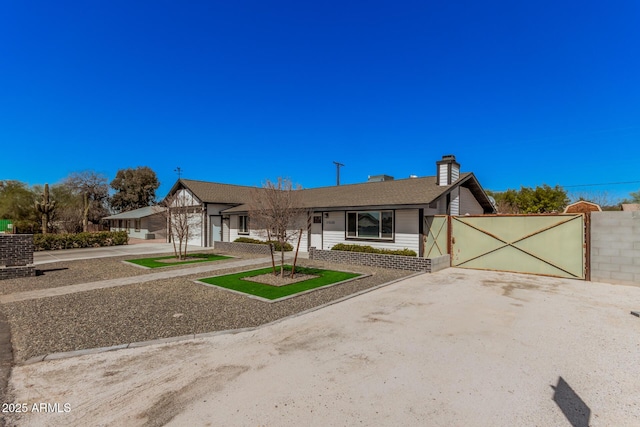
137 213
410 191
213 192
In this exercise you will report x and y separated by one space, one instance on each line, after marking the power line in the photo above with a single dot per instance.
604 183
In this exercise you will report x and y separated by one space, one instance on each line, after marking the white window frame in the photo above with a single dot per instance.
243 224
379 212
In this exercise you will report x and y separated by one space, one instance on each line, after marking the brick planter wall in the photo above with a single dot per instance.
397 262
252 248
16 256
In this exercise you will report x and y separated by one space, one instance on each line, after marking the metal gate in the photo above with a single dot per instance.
550 245
436 236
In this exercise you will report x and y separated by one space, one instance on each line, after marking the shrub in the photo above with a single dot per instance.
45 242
372 250
276 244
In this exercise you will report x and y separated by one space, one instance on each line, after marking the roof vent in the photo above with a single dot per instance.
379 178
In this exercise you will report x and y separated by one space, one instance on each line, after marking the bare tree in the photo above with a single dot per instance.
93 189
276 210
180 215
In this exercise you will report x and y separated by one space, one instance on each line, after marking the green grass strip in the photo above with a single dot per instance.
154 263
232 281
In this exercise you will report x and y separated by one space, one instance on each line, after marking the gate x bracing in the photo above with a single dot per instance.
546 244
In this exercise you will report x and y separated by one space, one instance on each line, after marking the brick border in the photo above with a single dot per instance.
252 248
397 262
16 256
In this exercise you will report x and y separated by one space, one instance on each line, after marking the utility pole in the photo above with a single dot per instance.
338 172
178 171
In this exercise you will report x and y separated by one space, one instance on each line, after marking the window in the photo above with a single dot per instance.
137 223
243 224
370 225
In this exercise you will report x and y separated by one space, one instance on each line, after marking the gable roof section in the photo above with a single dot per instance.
213 192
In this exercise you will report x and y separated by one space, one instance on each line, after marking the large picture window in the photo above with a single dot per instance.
243 224
370 225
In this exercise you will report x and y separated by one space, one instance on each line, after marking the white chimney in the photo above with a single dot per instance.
448 170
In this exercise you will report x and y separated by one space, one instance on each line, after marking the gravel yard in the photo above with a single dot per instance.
157 309
66 273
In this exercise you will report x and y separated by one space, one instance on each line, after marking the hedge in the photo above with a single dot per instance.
46 242
276 244
372 250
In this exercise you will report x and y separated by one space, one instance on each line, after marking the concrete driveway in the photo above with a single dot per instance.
458 347
44 257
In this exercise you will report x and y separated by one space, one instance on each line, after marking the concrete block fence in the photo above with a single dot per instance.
615 247
16 256
398 262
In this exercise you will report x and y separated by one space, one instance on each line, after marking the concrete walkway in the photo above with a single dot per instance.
110 283
44 257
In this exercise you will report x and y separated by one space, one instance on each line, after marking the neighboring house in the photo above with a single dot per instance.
144 223
384 213
631 207
582 206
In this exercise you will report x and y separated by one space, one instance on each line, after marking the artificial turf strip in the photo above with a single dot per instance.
153 263
232 281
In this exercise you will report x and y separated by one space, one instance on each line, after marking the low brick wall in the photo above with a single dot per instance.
252 248
16 256
397 262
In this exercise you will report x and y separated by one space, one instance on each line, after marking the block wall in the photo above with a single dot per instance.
397 262
252 248
615 247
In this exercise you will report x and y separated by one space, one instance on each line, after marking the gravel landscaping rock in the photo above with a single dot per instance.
66 273
157 309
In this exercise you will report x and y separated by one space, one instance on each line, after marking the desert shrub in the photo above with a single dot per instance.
45 242
276 244
372 250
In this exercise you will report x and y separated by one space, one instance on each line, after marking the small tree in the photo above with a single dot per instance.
276 210
135 188
180 215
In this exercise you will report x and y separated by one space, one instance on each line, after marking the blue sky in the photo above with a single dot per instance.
523 93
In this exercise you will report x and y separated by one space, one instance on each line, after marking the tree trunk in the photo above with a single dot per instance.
273 259
281 258
186 242
295 258
85 214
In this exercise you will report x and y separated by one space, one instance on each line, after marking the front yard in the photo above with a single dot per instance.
146 311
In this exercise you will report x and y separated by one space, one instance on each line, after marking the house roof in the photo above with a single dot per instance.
138 213
410 191
213 192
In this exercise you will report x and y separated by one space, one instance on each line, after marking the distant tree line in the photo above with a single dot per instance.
547 199
80 199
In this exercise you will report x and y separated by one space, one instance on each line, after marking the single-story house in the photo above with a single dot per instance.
144 223
384 213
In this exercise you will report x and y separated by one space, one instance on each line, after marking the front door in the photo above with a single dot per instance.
216 228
